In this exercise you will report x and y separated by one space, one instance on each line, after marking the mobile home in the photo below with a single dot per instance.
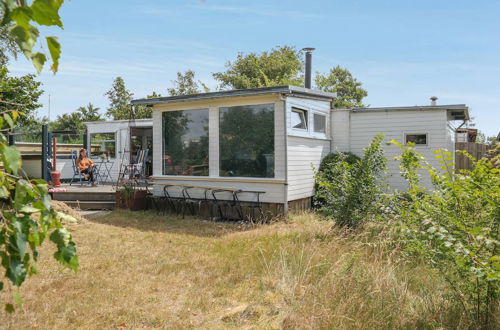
271 139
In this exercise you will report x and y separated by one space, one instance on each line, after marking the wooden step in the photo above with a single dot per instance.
91 205
83 196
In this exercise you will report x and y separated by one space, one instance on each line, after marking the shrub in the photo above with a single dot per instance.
349 189
455 227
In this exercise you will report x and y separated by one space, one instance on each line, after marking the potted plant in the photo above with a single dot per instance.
129 197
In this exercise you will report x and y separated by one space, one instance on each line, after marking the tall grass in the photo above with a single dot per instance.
167 272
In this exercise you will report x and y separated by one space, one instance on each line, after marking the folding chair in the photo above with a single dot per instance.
136 170
76 169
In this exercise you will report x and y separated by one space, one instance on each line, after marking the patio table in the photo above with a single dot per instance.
104 170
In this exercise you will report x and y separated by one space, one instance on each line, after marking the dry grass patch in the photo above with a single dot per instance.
141 270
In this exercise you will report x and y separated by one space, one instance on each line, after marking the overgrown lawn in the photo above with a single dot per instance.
141 270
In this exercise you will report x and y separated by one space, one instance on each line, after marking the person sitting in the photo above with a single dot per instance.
86 166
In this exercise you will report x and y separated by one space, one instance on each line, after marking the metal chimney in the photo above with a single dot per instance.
308 73
433 100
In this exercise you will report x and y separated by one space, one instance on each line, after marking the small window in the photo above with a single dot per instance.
319 123
299 119
418 139
103 144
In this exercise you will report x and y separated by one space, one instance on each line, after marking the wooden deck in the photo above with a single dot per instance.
86 197
76 187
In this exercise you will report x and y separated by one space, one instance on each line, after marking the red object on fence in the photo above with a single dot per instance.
55 174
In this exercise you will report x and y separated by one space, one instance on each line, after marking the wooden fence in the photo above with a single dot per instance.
477 151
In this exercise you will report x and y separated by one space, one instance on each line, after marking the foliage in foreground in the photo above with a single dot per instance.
350 190
27 218
19 20
455 227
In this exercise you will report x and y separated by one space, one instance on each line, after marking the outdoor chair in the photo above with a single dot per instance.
76 169
136 170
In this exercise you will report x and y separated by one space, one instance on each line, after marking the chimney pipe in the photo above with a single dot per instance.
308 73
433 100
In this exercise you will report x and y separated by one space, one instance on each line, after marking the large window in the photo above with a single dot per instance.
246 137
103 144
185 142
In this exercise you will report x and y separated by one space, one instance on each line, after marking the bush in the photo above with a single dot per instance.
349 157
455 227
349 188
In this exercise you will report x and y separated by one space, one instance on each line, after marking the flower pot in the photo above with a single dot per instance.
133 200
138 200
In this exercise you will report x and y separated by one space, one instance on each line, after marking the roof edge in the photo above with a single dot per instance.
287 89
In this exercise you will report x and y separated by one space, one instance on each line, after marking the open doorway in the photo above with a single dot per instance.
141 138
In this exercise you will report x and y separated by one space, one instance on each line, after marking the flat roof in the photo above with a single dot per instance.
457 111
118 121
292 90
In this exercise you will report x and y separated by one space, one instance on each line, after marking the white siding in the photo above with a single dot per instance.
305 149
394 124
273 190
341 124
304 155
274 187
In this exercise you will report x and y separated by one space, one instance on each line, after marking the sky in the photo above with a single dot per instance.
403 52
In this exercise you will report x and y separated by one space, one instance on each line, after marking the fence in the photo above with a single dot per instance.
476 150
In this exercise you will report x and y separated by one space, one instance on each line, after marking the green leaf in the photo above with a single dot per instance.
21 244
22 192
9 120
46 12
1 286
22 15
25 37
29 209
11 158
67 256
38 60
16 272
66 218
55 52
9 308
60 236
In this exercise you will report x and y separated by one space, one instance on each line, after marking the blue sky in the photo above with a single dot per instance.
403 51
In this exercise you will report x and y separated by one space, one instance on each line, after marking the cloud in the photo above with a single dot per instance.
259 11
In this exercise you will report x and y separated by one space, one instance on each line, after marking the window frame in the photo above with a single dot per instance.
314 123
220 131
417 144
163 167
303 113
114 140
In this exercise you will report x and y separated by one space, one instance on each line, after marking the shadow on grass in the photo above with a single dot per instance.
152 222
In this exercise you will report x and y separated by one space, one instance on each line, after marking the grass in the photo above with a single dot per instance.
140 270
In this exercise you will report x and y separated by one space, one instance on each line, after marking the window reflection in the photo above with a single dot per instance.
246 138
185 142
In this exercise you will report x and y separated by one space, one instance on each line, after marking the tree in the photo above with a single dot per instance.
27 216
8 46
24 91
90 113
67 122
17 17
280 66
482 138
348 89
74 121
186 84
119 100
